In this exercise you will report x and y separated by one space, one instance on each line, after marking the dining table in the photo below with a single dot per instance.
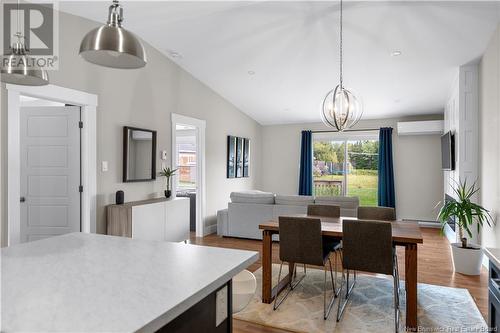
405 234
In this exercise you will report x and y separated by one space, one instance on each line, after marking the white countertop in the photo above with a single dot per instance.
96 283
494 255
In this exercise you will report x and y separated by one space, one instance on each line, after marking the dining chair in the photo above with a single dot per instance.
329 211
301 243
323 210
367 247
376 213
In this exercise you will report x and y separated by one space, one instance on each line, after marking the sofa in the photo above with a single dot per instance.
248 209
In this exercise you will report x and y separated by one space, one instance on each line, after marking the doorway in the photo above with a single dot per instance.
50 176
188 157
43 182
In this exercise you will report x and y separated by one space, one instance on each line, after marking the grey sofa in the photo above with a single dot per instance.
248 209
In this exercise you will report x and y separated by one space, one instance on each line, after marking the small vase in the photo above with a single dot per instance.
168 193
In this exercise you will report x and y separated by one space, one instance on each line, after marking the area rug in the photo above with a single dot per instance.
370 309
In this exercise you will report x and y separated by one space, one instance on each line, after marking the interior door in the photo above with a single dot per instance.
50 171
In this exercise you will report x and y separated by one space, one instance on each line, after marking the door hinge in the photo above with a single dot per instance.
80 188
80 124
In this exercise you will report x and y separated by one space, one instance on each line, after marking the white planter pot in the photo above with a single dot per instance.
467 261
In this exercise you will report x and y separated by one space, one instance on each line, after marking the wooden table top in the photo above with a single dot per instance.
403 232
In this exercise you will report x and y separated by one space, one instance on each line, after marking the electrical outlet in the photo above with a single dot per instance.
104 166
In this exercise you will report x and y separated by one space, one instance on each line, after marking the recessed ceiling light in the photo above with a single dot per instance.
396 53
251 72
175 54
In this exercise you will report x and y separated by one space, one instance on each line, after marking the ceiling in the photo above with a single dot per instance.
291 48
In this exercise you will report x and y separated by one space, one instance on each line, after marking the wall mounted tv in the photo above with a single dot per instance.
448 151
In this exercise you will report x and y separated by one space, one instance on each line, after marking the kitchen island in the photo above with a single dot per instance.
95 283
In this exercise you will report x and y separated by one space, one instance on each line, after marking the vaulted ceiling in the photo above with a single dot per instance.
277 60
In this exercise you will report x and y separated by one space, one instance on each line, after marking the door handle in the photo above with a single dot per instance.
23 199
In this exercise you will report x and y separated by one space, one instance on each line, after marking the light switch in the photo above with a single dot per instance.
164 155
104 166
221 306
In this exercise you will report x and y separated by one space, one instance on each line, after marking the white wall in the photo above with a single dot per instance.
417 165
146 98
489 139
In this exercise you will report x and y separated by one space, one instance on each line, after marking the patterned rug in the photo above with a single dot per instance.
370 309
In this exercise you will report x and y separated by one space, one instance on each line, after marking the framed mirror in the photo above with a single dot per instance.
139 154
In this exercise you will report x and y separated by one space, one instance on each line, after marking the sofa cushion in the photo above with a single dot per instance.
295 200
252 196
343 202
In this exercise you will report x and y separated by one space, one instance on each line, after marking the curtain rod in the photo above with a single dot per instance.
352 130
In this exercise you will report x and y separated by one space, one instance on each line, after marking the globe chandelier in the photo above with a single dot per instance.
341 109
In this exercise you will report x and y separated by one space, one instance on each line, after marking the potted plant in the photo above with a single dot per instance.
467 257
168 173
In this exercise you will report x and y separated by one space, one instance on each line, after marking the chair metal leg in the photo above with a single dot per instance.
327 309
349 289
290 283
396 295
293 285
342 304
336 291
396 306
276 303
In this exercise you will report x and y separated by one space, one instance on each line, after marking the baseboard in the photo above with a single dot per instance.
211 229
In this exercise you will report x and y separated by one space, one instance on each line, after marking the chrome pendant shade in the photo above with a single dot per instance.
111 45
20 69
341 108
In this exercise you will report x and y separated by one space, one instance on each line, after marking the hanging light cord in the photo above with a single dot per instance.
18 33
341 50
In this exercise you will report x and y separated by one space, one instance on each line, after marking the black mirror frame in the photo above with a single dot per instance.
125 155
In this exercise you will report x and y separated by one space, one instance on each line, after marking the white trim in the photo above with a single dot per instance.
200 145
88 105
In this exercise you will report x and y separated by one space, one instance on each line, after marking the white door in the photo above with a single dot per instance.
50 171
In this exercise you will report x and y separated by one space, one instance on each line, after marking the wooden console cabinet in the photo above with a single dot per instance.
155 219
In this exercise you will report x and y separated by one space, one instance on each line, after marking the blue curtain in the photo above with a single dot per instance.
386 194
306 158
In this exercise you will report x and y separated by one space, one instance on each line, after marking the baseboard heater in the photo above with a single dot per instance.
426 223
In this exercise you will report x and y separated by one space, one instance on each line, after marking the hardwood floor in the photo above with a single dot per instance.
434 267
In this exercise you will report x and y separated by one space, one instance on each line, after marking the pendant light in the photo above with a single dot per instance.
111 45
341 108
19 68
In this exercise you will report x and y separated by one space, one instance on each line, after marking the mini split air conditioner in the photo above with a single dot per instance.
428 127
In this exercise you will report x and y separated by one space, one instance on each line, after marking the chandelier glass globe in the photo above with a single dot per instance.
341 109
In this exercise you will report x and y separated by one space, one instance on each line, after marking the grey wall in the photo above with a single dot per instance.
146 98
489 139
417 165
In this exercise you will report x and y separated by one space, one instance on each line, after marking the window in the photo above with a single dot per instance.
346 165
